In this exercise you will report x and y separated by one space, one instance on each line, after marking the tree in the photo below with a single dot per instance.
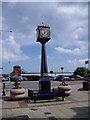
82 71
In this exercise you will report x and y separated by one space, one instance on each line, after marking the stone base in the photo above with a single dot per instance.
67 89
17 94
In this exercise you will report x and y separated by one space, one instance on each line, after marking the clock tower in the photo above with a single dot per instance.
43 36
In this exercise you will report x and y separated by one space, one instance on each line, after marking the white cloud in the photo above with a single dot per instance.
67 10
66 28
68 22
25 39
77 62
12 50
73 62
11 5
45 1
72 10
31 0
25 19
0 16
76 51
0 54
72 29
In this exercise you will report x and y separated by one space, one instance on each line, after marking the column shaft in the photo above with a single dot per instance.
44 69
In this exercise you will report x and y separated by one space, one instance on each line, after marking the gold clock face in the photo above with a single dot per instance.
44 32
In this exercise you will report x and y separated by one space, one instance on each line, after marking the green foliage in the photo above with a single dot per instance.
82 71
16 84
63 83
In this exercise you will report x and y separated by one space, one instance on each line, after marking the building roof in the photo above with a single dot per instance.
16 66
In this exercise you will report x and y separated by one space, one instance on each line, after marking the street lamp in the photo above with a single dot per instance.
62 70
6 30
1 68
1 31
62 75
9 72
86 62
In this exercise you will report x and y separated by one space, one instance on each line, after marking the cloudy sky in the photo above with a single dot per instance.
68 46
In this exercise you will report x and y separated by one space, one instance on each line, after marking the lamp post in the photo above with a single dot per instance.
1 31
6 30
9 72
62 70
86 62
62 74
1 68
3 83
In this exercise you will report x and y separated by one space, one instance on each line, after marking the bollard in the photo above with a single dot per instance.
3 89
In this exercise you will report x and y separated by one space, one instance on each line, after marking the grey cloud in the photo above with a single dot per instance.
24 18
44 0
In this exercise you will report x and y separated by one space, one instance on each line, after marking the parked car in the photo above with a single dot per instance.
5 78
13 78
76 76
50 77
19 78
24 79
67 78
59 78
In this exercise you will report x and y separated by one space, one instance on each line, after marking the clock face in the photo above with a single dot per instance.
44 32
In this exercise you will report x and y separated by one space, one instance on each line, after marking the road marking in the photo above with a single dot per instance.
7 83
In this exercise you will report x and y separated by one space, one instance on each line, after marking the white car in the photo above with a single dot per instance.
5 78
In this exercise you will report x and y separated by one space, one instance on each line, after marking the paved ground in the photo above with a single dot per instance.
74 106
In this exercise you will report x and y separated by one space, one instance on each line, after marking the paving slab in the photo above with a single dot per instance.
74 106
7 113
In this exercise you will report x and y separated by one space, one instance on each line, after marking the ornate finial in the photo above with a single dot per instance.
42 22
